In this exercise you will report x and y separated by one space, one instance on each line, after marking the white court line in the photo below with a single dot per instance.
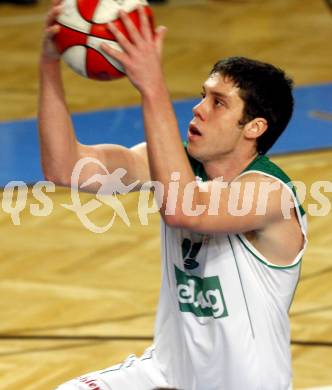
6 21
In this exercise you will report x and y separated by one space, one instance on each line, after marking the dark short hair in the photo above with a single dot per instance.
266 92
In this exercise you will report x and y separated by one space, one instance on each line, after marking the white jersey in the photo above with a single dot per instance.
222 321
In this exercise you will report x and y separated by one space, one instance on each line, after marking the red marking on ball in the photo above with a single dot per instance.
101 30
87 8
68 37
98 68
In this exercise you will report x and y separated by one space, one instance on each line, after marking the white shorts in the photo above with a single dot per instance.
133 374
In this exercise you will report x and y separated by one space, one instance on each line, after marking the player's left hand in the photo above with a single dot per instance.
141 56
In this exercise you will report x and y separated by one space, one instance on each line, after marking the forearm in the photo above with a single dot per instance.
59 147
165 149
141 58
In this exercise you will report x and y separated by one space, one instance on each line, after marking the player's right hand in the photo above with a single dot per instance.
49 51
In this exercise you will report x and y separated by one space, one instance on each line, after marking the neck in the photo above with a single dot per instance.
228 166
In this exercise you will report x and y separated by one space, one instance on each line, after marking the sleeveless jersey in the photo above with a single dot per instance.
222 321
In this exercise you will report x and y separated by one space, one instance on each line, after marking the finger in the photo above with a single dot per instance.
116 54
53 14
133 33
52 30
56 2
121 39
160 34
144 24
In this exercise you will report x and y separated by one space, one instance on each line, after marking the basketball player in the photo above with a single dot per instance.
228 277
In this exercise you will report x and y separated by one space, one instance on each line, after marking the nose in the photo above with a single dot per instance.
199 110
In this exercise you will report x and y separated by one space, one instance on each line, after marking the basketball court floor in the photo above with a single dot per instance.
73 300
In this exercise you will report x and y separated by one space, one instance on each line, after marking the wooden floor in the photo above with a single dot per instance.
73 301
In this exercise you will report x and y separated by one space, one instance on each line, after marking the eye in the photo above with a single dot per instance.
218 103
203 94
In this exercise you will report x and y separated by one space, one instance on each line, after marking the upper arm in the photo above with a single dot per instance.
106 158
250 203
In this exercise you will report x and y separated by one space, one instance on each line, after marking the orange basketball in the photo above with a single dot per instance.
84 27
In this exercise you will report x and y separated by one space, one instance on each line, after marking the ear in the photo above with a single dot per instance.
255 128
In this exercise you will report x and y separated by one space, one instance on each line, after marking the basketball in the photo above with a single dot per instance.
83 27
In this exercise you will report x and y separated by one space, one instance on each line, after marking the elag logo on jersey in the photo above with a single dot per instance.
202 297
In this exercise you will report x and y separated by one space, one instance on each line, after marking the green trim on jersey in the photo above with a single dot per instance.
196 166
261 163
264 262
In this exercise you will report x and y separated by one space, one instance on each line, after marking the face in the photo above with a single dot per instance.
214 130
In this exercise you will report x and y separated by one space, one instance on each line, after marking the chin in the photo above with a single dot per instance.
194 153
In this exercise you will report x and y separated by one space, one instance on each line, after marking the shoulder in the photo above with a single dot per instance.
262 164
262 169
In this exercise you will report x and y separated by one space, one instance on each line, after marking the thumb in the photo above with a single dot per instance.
160 34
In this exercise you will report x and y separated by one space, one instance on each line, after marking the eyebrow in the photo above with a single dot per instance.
217 94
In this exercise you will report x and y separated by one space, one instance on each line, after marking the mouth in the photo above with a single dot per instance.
193 131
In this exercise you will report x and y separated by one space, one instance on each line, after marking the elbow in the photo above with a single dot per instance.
57 179
181 221
172 221
186 217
